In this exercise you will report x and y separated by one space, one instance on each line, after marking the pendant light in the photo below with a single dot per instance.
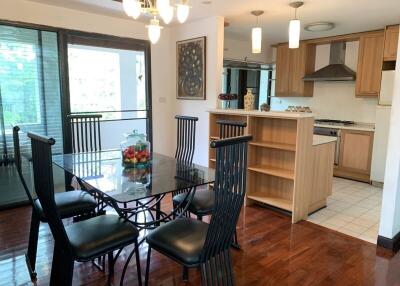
256 34
168 14
132 8
294 27
182 11
154 30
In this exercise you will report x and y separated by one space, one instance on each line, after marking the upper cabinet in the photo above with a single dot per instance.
369 69
291 66
391 40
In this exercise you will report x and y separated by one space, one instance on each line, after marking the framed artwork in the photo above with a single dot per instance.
191 69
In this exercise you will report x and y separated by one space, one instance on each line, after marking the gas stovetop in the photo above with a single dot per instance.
334 122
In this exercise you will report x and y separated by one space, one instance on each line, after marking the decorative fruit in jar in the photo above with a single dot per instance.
135 151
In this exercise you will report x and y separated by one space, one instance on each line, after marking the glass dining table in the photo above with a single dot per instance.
136 194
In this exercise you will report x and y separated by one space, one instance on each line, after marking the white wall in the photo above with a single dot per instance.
37 13
239 49
334 100
213 29
390 215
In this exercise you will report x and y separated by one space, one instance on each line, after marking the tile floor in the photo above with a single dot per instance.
354 209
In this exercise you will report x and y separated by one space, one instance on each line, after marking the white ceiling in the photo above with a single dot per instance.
348 15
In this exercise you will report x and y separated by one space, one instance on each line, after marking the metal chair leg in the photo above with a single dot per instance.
62 268
146 277
235 243
32 245
138 269
185 274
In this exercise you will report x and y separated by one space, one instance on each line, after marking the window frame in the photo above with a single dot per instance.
67 36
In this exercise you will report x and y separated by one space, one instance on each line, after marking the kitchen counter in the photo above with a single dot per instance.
257 113
320 139
357 126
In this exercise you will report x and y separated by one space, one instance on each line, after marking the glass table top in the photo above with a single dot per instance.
105 173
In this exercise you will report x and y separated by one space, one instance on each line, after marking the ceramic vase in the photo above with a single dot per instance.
249 100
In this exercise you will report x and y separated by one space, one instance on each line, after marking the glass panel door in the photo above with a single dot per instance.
29 98
112 82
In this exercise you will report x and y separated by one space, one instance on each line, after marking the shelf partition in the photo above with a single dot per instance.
277 158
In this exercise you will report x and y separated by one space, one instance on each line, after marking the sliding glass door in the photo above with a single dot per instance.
108 78
29 97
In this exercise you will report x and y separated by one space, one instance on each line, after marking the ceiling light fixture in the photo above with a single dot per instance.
294 26
154 31
256 34
319 27
158 9
182 11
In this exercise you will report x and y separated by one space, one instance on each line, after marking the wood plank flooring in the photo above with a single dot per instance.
274 252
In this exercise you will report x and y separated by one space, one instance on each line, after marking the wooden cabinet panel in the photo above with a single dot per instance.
282 70
291 66
356 151
391 42
369 69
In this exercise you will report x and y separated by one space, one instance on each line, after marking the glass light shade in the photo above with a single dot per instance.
162 5
182 12
168 14
294 34
256 39
154 31
132 8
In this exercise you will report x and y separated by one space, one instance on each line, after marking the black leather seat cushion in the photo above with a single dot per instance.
93 237
182 239
70 204
202 203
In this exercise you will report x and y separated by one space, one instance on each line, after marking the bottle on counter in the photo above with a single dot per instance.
249 100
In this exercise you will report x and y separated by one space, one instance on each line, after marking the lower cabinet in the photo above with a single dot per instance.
355 155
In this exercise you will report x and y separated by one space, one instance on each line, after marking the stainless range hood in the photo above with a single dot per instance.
336 70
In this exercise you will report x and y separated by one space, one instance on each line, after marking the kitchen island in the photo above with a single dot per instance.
289 168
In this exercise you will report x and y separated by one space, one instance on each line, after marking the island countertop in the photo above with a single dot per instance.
257 113
321 139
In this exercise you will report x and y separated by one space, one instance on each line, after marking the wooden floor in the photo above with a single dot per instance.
275 252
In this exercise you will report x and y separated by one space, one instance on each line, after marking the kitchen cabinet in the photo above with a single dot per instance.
391 41
355 155
369 69
291 66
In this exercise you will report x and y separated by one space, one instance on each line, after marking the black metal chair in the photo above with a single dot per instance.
185 145
203 200
186 137
82 241
193 243
69 204
85 132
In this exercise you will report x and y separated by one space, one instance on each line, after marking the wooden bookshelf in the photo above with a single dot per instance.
281 203
273 171
273 145
277 158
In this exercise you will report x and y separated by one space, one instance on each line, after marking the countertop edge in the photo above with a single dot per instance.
278 114
321 139
350 127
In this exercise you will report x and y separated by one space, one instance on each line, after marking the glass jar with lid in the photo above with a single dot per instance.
135 151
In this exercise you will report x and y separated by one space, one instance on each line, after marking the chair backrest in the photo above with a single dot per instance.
229 128
85 132
18 164
229 188
44 186
186 136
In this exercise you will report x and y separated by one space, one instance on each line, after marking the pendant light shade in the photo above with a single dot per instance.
294 34
182 12
256 34
154 31
132 8
294 26
168 14
256 40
